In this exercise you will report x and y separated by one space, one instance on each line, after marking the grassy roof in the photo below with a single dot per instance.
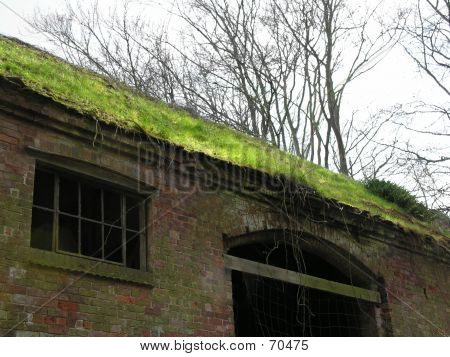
93 95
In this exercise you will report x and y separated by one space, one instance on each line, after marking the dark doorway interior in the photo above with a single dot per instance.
268 307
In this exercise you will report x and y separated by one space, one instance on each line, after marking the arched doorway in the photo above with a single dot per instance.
281 288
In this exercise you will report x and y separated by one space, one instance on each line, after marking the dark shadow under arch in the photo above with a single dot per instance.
334 255
268 307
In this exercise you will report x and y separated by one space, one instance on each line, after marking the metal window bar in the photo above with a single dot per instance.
103 224
55 212
142 235
79 218
123 211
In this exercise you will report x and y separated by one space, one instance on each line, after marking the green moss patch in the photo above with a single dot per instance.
95 96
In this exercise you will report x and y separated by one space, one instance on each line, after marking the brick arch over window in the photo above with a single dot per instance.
288 283
333 254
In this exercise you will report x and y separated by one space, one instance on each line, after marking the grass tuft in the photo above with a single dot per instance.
92 95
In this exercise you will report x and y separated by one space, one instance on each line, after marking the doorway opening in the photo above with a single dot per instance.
266 303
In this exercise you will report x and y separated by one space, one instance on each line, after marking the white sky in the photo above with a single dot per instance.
394 80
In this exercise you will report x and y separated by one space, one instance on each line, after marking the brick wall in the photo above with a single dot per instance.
192 293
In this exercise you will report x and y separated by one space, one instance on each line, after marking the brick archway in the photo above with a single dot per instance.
287 283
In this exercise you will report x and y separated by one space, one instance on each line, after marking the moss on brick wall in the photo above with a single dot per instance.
191 292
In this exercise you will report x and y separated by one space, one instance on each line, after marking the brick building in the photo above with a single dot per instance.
112 223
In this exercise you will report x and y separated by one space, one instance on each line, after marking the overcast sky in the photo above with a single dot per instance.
394 80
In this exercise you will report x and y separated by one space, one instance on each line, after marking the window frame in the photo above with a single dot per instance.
123 192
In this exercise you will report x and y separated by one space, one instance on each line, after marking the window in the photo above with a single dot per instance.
83 217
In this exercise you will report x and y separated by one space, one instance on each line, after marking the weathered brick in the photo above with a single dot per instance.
192 293
67 306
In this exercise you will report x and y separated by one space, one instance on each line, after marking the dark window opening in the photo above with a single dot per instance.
41 229
68 234
113 208
113 242
91 239
82 217
44 196
91 202
133 249
269 307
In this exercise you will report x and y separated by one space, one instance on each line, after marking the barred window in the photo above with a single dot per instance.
84 217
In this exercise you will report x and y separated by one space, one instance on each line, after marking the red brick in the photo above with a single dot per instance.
185 255
126 299
8 139
67 305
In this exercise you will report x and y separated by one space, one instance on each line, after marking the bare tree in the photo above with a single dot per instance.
287 61
424 159
340 50
370 146
115 45
276 70
252 65
426 40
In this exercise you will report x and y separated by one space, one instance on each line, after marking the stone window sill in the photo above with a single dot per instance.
87 266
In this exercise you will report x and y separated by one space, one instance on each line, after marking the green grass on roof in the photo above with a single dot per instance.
93 95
